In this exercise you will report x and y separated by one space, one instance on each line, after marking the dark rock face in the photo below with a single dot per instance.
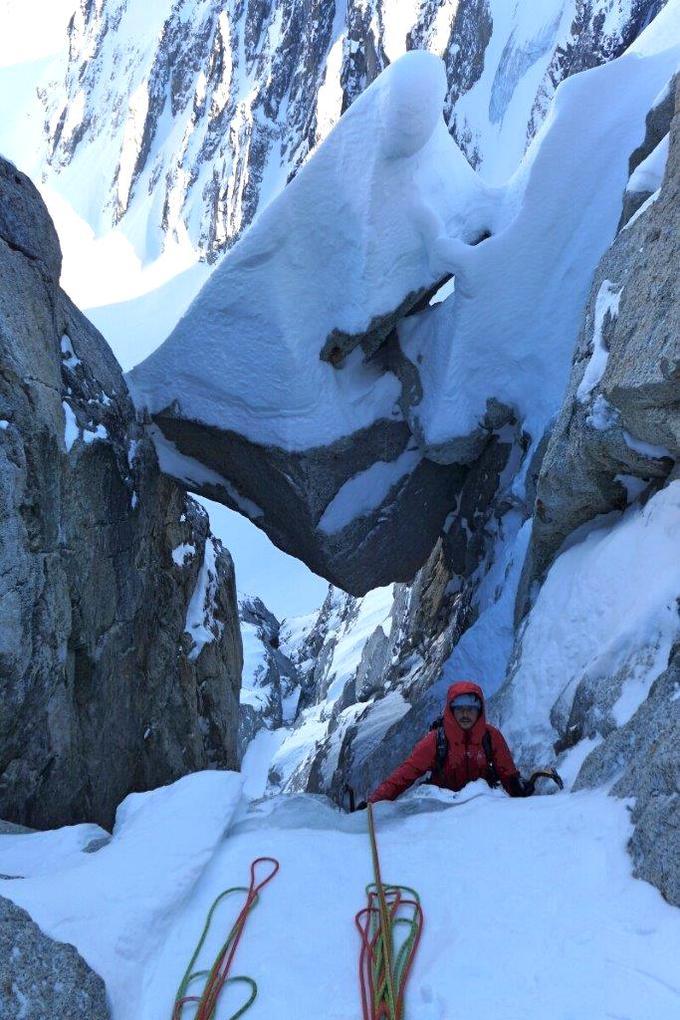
293 490
624 428
111 681
40 977
657 126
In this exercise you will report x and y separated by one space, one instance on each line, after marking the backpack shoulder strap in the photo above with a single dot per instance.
492 777
442 745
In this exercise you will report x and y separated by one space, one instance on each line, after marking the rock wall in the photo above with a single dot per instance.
616 445
120 651
610 460
618 430
40 977
271 685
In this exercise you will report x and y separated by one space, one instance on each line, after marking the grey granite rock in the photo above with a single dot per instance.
624 433
642 760
103 692
41 978
657 126
293 490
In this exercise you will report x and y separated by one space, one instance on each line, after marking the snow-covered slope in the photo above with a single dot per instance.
520 899
197 114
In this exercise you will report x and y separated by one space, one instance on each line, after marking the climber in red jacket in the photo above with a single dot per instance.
462 748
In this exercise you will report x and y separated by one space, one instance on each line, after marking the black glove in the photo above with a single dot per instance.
519 787
361 806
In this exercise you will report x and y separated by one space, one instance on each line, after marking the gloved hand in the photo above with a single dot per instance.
520 787
361 806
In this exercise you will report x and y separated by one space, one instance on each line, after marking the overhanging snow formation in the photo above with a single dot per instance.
278 392
313 386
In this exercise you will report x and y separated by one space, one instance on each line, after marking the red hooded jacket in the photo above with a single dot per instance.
465 761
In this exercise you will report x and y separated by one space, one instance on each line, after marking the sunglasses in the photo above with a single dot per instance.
475 708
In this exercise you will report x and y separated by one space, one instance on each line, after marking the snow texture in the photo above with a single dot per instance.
585 624
367 490
648 176
135 909
565 199
116 903
245 357
71 430
201 623
606 307
182 553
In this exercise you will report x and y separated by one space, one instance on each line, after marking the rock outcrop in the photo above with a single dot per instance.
611 464
618 432
641 761
270 686
120 653
40 977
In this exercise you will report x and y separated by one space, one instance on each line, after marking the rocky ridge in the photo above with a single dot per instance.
120 650
223 112
270 686
616 443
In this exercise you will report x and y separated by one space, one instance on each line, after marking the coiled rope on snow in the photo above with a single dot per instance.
218 976
390 927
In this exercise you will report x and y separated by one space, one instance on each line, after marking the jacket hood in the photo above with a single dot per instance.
451 728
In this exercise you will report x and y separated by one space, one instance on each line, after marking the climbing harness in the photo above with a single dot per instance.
218 975
390 927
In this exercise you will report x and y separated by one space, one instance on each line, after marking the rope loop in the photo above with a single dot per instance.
390 927
218 976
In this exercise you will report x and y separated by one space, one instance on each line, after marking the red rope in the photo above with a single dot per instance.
384 972
219 974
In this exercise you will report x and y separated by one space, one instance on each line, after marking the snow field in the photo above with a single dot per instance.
530 908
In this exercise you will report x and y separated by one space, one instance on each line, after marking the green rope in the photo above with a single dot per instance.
190 974
393 918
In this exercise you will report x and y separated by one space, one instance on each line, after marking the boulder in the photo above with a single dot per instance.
275 393
40 977
120 649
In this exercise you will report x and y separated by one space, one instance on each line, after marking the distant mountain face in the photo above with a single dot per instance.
196 112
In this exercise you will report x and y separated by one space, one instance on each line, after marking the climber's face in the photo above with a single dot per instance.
466 716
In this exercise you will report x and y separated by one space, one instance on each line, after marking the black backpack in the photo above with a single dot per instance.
491 777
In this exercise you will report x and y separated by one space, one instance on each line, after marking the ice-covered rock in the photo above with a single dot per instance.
595 668
104 580
641 760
